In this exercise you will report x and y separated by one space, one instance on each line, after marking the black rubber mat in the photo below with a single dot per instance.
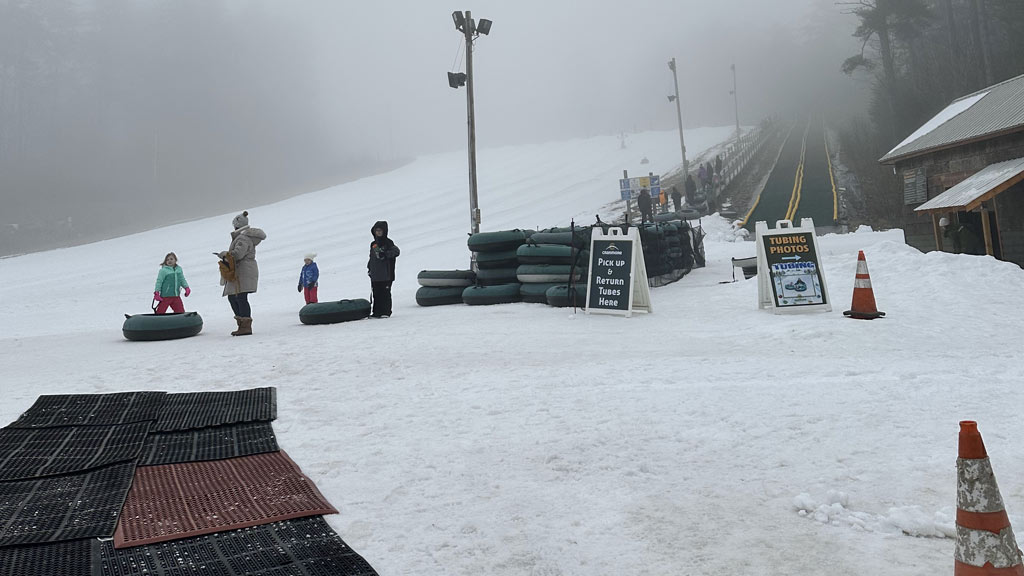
38 452
201 409
91 409
66 507
301 547
72 558
214 443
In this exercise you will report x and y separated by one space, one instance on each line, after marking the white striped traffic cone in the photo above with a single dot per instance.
985 545
863 306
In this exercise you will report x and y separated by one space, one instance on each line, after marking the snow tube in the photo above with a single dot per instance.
497 294
496 241
558 296
548 273
500 259
689 214
580 239
668 217
549 254
442 278
334 312
537 293
493 276
148 327
439 295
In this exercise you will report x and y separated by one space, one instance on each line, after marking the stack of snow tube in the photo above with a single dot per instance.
561 296
442 287
335 312
496 280
551 258
149 327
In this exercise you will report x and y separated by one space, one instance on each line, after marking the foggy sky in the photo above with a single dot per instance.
155 105
554 70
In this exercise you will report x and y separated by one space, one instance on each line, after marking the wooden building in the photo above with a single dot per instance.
964 168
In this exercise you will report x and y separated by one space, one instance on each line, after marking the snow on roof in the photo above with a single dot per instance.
965 195
998 109
947 114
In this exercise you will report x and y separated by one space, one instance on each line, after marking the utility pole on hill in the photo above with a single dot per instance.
471 30
679 117
736 106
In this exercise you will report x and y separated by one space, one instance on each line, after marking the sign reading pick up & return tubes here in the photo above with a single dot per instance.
617 282
789 275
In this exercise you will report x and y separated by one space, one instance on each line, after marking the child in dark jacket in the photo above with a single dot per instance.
309 278
169 282
381 269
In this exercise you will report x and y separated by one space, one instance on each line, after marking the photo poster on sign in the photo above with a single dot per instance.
617 276
790 277
629 188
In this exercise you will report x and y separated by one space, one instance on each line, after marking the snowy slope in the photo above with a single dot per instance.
706 438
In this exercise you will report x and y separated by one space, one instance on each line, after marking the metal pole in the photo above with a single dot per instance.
679 118
736 104
474 210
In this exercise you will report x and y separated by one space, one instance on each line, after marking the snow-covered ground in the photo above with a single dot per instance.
708 438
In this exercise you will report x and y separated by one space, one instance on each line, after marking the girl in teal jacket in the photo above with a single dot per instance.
169 282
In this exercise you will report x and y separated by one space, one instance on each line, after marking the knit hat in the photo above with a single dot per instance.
241 220
310 256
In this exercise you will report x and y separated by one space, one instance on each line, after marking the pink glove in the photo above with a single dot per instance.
156 296
187 291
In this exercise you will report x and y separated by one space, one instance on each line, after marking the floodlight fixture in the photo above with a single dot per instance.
459 20
671 98
456 79
484 26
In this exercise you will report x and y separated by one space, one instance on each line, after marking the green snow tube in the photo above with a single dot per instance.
500 259
446 278
148 327
537 293
334 312
439 295
548 273
494 276
580 240
549 254
558 296
485 295
496 241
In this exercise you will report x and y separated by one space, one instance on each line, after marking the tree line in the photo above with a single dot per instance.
920 55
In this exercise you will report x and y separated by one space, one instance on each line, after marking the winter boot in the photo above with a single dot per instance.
244 327
238 321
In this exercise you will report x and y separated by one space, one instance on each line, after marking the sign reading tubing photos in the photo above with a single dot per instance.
617 280
629 188
789 276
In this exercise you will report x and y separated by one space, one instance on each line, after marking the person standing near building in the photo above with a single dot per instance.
381 269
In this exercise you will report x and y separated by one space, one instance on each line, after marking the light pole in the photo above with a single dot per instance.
736 105
465 24
679 118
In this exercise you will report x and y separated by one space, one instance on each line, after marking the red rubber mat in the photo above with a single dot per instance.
213 443
193 410
190 499
66 507
37 452
72 558
303 546
91 409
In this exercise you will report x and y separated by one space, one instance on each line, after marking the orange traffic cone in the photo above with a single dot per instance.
985 545
863 306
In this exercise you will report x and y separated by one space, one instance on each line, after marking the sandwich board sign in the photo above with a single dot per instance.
629 188
617 278
790 277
